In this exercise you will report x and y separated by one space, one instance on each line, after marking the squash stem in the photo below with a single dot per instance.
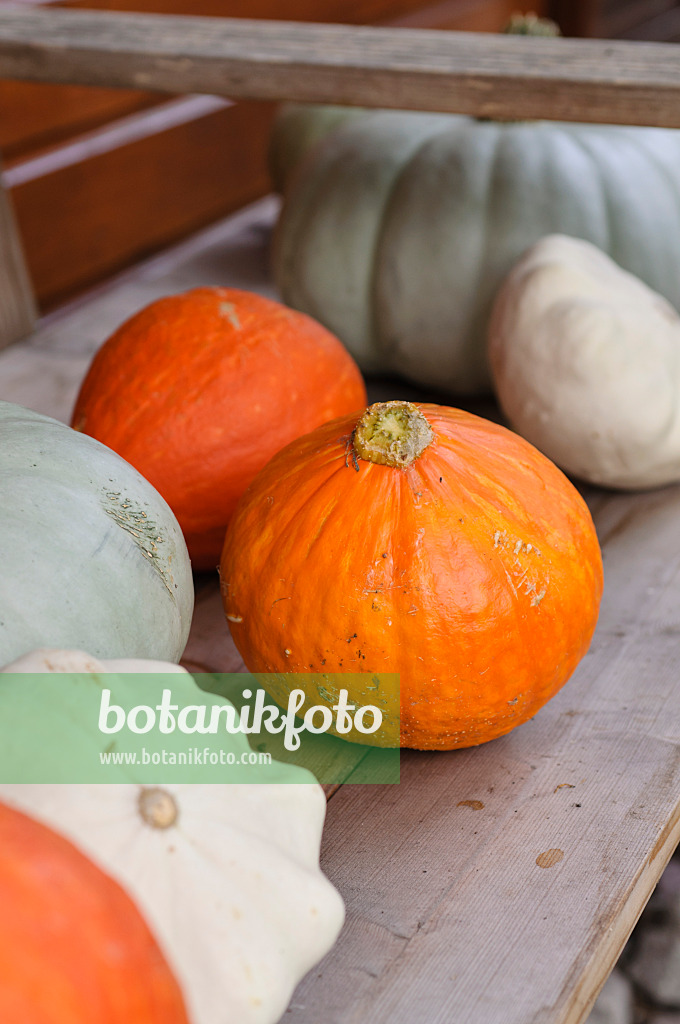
531 25
392 434
157 807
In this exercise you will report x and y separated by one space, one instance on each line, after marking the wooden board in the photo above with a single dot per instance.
17 307
495 885
115 195
482 75
35 115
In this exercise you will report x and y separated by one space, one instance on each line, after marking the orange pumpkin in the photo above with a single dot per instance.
199 390
74 949
422 541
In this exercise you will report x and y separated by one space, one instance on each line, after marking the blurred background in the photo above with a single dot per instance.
103 178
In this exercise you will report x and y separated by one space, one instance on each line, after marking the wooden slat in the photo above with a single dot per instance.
17 306
120 132
457 912
112 197
34 115
487 76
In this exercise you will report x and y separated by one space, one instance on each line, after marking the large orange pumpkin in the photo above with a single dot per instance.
199 390
74 949
422 541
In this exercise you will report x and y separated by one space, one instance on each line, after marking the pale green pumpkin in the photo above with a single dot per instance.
91 556
398 228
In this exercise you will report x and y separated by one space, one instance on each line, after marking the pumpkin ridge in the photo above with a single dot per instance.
306 498
665 174
381 268
380 341
517 473
607 244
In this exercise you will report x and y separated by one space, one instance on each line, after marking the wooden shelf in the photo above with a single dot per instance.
450 915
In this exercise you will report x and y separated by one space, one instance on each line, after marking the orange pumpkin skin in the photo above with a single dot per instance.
198 391
475 573
74 949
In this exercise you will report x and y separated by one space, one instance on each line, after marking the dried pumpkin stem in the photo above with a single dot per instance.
157 807
531 25
392 434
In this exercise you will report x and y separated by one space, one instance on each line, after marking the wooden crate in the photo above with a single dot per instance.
141 169
495 885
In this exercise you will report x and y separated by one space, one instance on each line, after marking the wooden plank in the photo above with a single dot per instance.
482 75
17 306
115 195
35 115
452 913
120 132
456 911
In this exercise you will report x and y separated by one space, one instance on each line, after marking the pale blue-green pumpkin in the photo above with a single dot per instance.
91 556
398 228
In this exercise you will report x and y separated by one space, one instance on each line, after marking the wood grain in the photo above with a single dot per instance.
17 306
478 74
460 907
34 115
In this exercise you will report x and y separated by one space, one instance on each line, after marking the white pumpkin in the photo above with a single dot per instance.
586 364
227 876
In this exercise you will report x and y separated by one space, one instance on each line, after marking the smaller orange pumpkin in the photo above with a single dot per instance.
417 540
199 390
74 949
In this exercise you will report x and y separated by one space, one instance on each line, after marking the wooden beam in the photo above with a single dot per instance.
17 305
477 74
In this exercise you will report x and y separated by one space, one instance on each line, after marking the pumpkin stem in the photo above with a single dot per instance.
157 807
392 434
531 25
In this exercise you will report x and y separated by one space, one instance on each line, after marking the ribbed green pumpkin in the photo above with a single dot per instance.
398 228
91 555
